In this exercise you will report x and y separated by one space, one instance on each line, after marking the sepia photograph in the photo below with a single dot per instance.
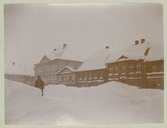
83 64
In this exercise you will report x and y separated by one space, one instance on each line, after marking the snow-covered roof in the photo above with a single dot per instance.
156 52
19 69
96 61
64 54
133 52
67 67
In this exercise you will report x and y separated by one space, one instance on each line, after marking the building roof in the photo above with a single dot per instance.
19 69
156 52
64 54
133 52
96 61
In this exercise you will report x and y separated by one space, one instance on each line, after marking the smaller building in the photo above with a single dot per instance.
93 70
67 76
20 73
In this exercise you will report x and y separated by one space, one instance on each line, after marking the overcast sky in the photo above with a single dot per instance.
33 30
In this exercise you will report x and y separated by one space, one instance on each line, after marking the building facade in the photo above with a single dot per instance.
21 78
154 67
126 71
91 77
93 70
155 74
139 65
67 76
20 73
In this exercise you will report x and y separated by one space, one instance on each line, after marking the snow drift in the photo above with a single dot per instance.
106 104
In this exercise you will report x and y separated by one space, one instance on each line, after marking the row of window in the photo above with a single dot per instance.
137 68
66 78
124 67
46 74
47 65
157 67
50 66
43 69
91 75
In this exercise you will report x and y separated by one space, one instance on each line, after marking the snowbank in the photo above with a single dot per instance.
106 104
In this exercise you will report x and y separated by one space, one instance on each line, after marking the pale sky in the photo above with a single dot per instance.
33 30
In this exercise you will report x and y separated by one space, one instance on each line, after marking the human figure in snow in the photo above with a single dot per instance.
39 84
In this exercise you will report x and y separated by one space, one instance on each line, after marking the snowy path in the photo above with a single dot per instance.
111 103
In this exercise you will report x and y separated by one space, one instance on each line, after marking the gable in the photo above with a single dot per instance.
65 71
44 59
122 57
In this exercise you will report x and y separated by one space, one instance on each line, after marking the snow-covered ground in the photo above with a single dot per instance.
106 104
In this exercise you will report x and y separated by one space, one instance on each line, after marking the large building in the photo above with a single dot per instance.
50 64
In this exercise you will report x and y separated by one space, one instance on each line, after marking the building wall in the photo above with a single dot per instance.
155 74
21 78
91 77
68 79
149 75
129 72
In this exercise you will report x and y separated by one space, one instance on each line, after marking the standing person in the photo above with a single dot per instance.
39 84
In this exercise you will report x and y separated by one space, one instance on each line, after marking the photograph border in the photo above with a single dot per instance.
2 106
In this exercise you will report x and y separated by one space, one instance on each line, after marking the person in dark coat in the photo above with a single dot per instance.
39 84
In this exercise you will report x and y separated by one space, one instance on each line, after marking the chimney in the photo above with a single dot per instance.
64 46
142 41
107 47
54 49
136 42
13 63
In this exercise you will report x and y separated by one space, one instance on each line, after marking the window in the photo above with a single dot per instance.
70 77
116 69
101 75
154 68
110 70
85 75
95 75
161 67
90 74
138 67
80 76
123 68
131 67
